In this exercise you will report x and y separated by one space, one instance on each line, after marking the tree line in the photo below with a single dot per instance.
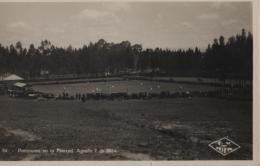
222 59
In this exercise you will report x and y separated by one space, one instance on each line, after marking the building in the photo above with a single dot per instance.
19 89
7 81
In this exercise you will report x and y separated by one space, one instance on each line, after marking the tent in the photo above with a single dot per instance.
12 77
20 87
20 84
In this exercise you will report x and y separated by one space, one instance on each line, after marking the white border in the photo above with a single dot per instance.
256 94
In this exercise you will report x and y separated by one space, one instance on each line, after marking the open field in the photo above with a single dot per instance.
133 86
129 126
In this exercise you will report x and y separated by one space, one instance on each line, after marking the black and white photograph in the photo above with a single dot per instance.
126 81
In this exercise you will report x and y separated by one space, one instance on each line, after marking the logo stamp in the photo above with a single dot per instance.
224 146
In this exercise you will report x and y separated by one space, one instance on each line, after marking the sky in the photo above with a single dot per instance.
171 25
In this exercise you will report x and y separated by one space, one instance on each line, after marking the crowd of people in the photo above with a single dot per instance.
222 93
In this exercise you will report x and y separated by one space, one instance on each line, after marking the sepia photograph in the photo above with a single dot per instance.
126 81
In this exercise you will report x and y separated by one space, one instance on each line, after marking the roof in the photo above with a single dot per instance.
12 77
20 84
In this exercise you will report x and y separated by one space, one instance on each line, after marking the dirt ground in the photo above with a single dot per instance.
129 127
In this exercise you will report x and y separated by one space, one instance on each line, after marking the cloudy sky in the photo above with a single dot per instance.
163 24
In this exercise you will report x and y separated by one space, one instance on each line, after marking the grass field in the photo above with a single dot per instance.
129 126
120 86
